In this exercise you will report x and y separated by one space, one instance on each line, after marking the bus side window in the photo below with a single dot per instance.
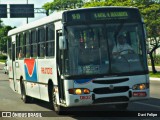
33 43
41 41
50 42
27 44
17 46
21 45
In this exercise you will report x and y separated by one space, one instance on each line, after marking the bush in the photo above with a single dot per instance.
3 57
157 59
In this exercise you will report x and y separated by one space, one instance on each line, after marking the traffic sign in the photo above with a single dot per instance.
3 10
21 10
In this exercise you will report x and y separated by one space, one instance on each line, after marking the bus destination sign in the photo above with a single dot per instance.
101 15
109 15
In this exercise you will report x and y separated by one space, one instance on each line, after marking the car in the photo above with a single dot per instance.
6 67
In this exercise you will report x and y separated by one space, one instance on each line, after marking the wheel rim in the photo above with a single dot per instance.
23 93
23 97
55 102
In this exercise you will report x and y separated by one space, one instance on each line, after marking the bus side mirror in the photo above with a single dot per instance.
62 43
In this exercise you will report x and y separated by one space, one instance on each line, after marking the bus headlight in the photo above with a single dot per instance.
79 91
140 86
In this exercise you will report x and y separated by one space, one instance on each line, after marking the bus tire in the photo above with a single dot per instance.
25 98
53 101
122 106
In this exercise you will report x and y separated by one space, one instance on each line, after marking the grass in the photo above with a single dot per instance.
155 75
156 64
3 61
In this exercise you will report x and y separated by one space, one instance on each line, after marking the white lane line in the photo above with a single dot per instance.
148 104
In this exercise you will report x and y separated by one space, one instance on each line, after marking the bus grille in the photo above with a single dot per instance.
111 99
113 81
107 90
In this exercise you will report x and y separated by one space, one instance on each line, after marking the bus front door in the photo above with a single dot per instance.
60 66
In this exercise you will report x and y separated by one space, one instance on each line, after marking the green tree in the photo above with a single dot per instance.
96 3
151 15
63 4
3 38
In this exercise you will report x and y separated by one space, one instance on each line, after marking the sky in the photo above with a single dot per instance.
21 21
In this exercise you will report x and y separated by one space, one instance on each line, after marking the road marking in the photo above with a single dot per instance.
148 104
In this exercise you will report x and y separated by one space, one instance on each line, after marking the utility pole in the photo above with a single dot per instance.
27 17
0 18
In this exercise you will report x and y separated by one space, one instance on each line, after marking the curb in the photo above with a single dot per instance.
2 63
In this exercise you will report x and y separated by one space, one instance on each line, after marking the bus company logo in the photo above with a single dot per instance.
82 81
30 69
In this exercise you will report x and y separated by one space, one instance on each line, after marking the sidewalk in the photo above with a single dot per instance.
154 79
2 63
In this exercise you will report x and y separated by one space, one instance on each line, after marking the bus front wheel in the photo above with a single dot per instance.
57 108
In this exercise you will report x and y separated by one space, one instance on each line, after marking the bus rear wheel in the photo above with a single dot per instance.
122 106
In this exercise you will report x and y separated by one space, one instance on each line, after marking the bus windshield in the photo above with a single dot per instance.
91 49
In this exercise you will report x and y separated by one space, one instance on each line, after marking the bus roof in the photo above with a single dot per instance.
45 20
58 15
101 7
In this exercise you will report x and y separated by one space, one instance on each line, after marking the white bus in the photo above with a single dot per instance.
66 58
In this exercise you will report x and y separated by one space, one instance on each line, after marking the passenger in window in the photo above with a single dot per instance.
20 55
122 47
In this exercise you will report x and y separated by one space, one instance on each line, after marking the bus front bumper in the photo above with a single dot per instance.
97 99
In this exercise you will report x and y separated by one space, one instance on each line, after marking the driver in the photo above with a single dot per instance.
122 47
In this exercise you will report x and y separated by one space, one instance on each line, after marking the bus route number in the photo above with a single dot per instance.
76 16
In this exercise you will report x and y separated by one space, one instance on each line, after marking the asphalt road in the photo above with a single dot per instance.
10 101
